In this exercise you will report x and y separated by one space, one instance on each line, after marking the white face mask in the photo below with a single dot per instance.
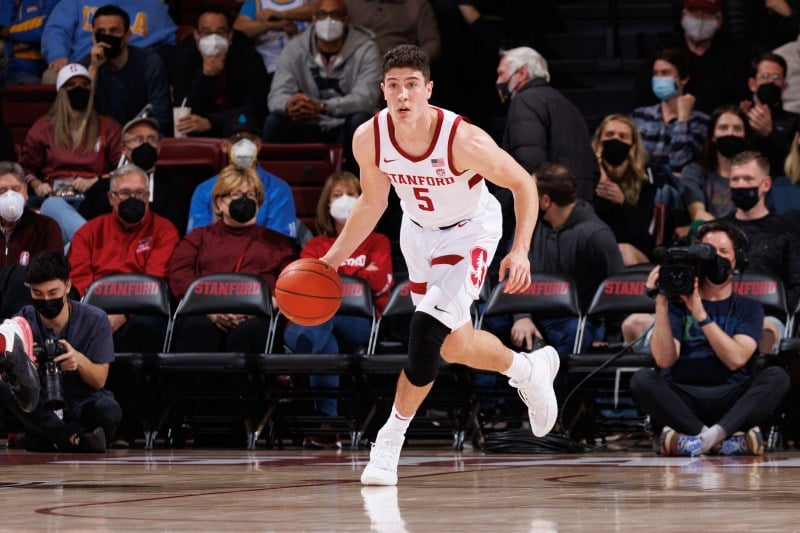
329 29
341 207
243 153
699 29
213 44
11 205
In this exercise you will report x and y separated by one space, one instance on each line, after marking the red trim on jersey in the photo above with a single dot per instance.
447 260
474 180
426 155
456 122
418 288
377 133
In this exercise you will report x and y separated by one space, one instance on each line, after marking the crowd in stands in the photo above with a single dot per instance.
712 132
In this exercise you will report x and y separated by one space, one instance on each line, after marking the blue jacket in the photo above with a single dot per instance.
68 32
276 213
26 20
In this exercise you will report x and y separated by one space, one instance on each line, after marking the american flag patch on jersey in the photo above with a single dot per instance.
437 162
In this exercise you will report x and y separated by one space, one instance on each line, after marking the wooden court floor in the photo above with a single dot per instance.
439 490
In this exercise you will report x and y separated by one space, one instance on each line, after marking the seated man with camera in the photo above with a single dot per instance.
73 350
703 393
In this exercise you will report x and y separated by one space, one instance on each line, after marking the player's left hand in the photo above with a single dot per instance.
515 268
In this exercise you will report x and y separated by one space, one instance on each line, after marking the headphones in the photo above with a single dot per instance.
741 243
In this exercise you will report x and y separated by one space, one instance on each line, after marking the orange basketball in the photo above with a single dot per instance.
308 292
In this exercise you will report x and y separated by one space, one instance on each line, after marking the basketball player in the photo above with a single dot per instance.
451 226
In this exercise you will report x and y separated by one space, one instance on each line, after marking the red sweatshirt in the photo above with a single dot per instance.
220 248
375 249
102 247
33 233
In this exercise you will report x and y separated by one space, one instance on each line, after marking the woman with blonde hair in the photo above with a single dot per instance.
233 243
372 260
625 194
785 192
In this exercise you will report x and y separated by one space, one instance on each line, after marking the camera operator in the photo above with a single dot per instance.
74 347
703 392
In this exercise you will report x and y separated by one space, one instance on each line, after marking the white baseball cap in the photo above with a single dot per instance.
68 72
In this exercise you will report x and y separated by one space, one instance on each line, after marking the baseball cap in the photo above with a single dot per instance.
143 116
68 72
703 5
241 122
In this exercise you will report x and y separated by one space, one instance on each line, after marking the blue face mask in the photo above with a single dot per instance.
664 87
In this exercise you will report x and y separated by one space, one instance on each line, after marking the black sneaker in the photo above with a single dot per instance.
33 443
92 442
16 363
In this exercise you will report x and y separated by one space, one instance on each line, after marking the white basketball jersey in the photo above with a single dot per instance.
431 193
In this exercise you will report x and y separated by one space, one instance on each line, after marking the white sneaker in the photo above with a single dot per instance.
383 459
537 392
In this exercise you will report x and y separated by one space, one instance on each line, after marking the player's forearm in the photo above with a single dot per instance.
526 211
360 223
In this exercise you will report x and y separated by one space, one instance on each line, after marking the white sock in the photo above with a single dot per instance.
520 369
712 436
397 423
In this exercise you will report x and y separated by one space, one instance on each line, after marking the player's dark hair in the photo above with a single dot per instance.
407 56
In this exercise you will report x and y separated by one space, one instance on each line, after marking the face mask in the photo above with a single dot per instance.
341 207
745 198
718 271
114 44
242 209
664 87
211 45
78 98
615 152
699 29
504 89
243 153
48 308
329 29
729 145
768 93
144 156
132 210
11 205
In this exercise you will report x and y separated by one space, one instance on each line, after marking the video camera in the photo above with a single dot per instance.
681 265
53 390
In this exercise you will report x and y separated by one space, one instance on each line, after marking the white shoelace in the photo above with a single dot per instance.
385 455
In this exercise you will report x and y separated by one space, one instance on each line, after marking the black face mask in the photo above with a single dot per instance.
48 308
132 210
144 156
78 98
242 209
615 152
114 44
718 271
744 197
768 93
730 145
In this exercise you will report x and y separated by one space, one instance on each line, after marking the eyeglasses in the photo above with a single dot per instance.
133 142
770 77
222 32
124 195
322 14
235 195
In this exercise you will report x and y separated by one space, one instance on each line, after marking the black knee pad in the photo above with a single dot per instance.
425 341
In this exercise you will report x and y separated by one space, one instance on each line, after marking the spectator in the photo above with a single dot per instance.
704 393
271 23
219 74
762 24
67 36
21 25
242 143
372 260
785 193
626 192
72 147
774 248
24 233
79 338
542 125
773 128
717 65
127 78
673 131
570 239
398 22
327 83
234 243
130 239
790 52
704 184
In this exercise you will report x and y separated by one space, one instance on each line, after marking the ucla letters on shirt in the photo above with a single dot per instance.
432 193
